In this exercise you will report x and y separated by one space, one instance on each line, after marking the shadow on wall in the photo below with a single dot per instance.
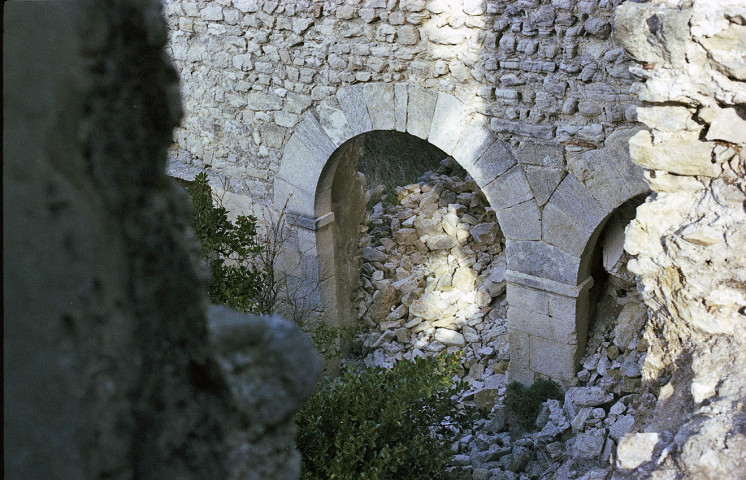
109 367
549 207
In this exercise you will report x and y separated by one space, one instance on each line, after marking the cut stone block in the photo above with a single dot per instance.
574 200
475 139
380 100
521 221
420 109
560 330
300 166
449 119
400 107
543 181
594 170
333 120
553 359
495 161
298 201
563 231
310 133
520 356
510 188
352 101
528 299
617 144
540 154
542 260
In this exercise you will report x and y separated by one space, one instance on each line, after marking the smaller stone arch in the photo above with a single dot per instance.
550 279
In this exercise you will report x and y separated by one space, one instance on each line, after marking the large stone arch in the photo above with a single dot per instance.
547 281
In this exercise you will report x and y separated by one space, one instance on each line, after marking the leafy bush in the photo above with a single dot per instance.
524 403
242 263
230 250
382 424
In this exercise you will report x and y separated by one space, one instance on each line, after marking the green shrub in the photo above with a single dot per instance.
230 250
242 263
382 424
523 404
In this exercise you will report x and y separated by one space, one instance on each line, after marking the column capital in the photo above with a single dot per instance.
544 284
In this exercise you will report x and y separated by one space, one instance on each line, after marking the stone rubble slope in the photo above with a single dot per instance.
433 277
433 281
576 438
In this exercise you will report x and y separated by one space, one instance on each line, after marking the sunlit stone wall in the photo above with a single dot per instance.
546 72
531 97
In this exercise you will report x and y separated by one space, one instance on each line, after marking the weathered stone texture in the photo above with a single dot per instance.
689 240
110 368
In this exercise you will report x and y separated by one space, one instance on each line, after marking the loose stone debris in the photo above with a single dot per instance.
433 280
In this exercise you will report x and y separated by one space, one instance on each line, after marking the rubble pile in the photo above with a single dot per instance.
576 438
433 277
433 280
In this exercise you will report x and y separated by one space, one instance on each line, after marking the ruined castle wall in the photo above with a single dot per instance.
545 71
689 239
272 89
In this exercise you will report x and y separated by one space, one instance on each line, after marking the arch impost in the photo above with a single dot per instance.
544 284
309 223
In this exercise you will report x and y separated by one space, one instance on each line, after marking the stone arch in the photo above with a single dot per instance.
549 280
306 172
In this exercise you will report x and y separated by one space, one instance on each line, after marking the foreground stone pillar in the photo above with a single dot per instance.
109 367
689 239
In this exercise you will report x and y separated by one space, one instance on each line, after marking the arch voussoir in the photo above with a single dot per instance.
354 105
420 109
571 216
449 120
334 121
379 98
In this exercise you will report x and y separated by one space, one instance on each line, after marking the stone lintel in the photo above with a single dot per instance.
309 223
538 283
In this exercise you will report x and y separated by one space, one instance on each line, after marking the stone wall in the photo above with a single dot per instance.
110 369
541 70
530 97
689 238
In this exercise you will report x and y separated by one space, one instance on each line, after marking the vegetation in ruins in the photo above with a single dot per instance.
380 424
230 250
242 260
523 404
374 423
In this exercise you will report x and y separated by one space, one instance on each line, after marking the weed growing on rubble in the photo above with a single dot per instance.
523 404
382 424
